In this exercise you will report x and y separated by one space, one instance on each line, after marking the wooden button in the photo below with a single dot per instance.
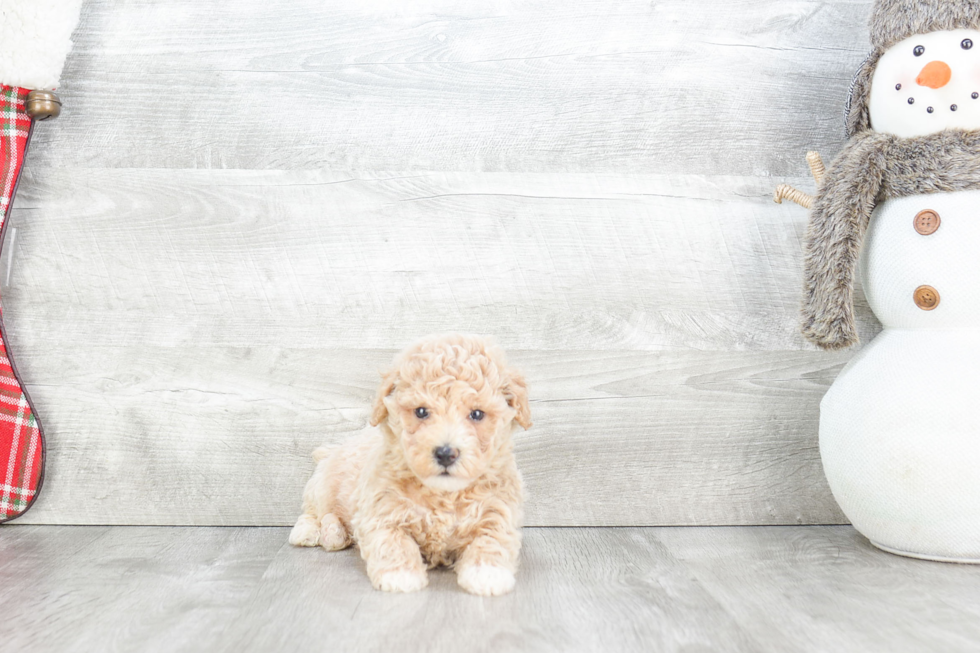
927 222
926 297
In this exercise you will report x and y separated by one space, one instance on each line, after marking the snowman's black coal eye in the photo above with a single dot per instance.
898 87
966 44
919 51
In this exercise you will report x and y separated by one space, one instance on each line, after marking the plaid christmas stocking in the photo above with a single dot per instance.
21 441
35 38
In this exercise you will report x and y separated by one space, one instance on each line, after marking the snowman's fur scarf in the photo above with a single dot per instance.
35 37
896 20
385 492
871 168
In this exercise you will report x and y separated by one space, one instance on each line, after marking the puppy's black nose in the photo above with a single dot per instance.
445 456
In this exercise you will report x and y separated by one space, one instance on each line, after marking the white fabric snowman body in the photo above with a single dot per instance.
900 428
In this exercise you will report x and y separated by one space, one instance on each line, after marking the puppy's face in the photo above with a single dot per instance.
450 404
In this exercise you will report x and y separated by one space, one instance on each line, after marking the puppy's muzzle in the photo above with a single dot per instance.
445 455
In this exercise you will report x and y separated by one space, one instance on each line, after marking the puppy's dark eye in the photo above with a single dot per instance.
421 413
477 415
919 51
966 44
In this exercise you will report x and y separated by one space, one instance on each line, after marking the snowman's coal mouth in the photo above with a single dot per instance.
953 107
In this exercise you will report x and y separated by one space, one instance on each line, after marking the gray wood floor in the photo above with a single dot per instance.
247 207
765 589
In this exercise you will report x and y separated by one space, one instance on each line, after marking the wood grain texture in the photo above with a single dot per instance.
118 589
247 209
318 259
828 590
708 87
223 436
739 590
578 590
213 327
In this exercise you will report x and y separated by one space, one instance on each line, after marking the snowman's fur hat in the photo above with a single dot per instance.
857 117
896 20
874 167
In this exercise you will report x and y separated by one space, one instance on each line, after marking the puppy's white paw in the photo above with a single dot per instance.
486 580
306 532
333 534
402 581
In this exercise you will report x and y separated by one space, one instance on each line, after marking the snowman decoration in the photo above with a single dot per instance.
900 205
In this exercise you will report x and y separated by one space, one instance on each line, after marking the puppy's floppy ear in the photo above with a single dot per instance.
379 412
516 394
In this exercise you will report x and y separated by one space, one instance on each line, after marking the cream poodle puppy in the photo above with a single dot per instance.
436 484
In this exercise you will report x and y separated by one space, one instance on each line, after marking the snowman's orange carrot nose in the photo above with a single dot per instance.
936 74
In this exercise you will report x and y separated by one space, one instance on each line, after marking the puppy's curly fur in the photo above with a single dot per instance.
390 493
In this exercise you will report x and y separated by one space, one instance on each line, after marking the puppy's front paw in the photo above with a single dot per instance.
486 580
333 534
401 581
306 532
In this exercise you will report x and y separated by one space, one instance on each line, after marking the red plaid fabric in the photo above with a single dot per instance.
21 443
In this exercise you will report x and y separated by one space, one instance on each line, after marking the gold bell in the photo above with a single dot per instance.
42 105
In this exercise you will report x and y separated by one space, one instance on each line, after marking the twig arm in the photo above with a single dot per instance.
817 168
787 192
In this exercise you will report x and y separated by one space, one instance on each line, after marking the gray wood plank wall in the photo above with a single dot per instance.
248 207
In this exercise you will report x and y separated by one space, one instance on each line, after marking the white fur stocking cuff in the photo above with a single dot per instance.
35 37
